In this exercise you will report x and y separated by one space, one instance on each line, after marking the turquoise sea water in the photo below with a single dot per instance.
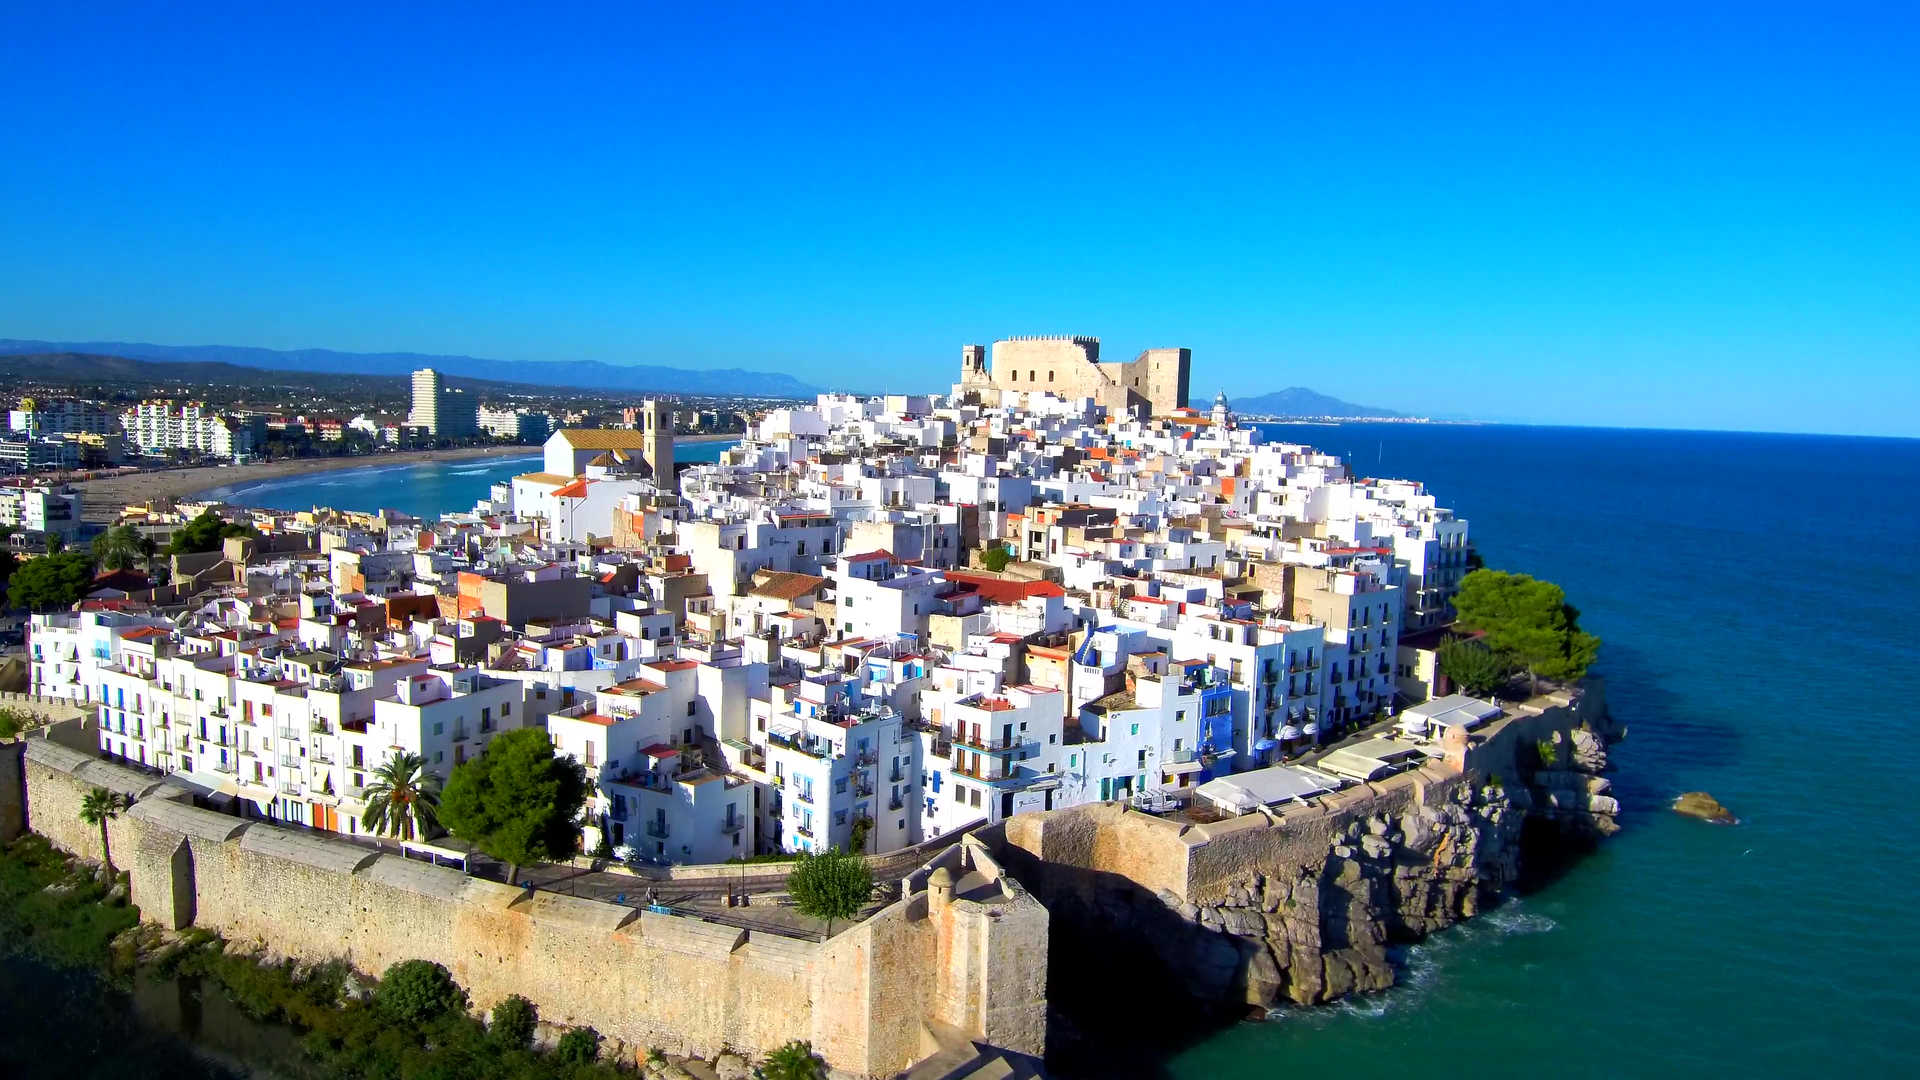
1755 593
426 490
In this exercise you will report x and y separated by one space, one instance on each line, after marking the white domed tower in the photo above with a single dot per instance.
1222 416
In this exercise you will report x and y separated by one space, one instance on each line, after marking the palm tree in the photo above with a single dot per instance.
120 547
98 807
403 800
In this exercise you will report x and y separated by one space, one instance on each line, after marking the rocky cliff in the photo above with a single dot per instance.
1303 905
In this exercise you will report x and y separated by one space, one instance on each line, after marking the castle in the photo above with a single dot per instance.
1070 367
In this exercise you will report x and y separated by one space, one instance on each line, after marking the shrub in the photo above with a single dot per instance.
794 1061
581 1046
1549 753
514 1018
417 991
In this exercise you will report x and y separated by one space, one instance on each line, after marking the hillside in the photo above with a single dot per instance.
585 375
80 371
1300 401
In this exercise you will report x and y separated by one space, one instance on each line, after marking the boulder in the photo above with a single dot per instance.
1705 807
732 1067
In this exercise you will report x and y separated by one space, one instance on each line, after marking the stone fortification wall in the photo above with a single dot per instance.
677 984
1301 904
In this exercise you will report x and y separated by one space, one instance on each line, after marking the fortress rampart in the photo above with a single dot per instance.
1300 902
869 999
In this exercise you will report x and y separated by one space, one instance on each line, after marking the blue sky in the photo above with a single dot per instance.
1670 215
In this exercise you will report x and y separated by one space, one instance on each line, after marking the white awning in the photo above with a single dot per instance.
1180 767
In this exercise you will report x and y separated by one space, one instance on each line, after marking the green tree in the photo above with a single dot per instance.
205 533
794 1061
418 991
98 807
514 1021
581 1046
995 558
403 800
1528 621
830 885
122 547
517 802
51 581
1473 667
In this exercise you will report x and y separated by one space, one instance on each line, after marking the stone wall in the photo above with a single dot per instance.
682 985
1301 904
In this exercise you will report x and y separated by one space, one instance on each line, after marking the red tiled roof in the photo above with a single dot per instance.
871 556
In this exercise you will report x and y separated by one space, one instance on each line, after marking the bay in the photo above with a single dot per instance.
426 489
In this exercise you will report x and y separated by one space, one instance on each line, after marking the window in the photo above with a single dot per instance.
1136 729
692 707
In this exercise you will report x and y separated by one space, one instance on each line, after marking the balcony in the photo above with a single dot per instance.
896 803
803 795
865 759
988 745
658 829
320 727
732 825
802 830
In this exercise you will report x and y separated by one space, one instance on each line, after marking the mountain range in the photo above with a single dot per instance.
1300 401
584 374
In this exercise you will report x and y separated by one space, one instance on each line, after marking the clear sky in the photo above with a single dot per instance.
1672 215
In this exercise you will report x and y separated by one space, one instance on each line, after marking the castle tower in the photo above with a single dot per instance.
973 365
656 431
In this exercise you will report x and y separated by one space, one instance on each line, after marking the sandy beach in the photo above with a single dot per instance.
105 496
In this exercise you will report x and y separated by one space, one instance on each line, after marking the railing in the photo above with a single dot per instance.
989 745
658 829
803 795
733 825
896 803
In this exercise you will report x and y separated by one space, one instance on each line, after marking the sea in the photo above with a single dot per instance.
1756 597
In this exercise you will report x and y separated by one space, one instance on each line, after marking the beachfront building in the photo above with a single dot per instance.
442 411
163 426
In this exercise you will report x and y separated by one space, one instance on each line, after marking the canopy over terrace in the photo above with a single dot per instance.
1247 791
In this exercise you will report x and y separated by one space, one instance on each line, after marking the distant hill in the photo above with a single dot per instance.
585 375
1300 401
80 369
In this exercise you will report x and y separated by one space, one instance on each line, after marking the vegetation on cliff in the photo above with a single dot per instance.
60 910
1525 622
